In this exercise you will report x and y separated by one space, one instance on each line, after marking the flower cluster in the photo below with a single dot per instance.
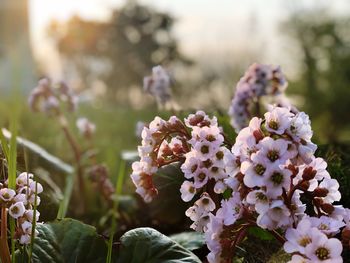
270 178
277 167
47 97
163 142
310 240
158 85
99 176
20 204
85 127
208 162
258 81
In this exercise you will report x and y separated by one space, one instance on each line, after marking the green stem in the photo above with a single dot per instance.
118 187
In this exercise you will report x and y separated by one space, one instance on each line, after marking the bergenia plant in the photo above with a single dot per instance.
56 99
159 86
269 179
21 205
259 82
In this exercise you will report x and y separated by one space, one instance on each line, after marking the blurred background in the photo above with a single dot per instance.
104 48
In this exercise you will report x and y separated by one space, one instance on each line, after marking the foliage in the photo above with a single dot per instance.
338 159
145 245
189 240
324 80
68 240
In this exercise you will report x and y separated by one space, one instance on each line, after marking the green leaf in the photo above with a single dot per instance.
146 245
168 181
38 154
224 121
260 233
189 240
68 240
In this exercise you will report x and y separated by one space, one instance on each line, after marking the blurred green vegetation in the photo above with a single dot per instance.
120 51
324 65
115 129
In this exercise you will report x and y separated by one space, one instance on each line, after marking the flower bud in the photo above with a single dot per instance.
293 169
345 236
309 173
318 201
258 135
304 186
320 192
328 208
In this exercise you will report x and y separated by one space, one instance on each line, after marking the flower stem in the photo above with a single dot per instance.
77 155
4 248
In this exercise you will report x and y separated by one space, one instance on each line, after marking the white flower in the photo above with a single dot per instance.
212 238
271 152
306 151
24 179
200 225
50 104
36 186
205 150
230 163
299 259
324 250
298 238
260 201
158 85
231 209
17 210
29 214
200 119
7 194
187 191
276 216
220 187
278 120
327 225
276 180
332 186
26 227
191 164
34 200
21 198
254 173
201 177
300 127
205 203
25 239
139 128
85 127
157 124
259 80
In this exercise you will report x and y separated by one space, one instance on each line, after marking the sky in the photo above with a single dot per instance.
202 27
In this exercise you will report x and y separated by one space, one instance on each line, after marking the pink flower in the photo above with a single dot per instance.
278 120
324 250
187 191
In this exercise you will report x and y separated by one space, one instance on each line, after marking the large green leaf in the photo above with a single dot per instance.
39 154
68 240
146 245
168 181
189 240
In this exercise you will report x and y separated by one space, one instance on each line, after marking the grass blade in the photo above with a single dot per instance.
118 192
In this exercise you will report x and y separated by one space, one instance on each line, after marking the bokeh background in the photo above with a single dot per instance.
104 48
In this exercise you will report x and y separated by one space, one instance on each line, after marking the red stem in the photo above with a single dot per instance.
77 155
4 248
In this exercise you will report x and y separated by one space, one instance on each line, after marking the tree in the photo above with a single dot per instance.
325 74
126 47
